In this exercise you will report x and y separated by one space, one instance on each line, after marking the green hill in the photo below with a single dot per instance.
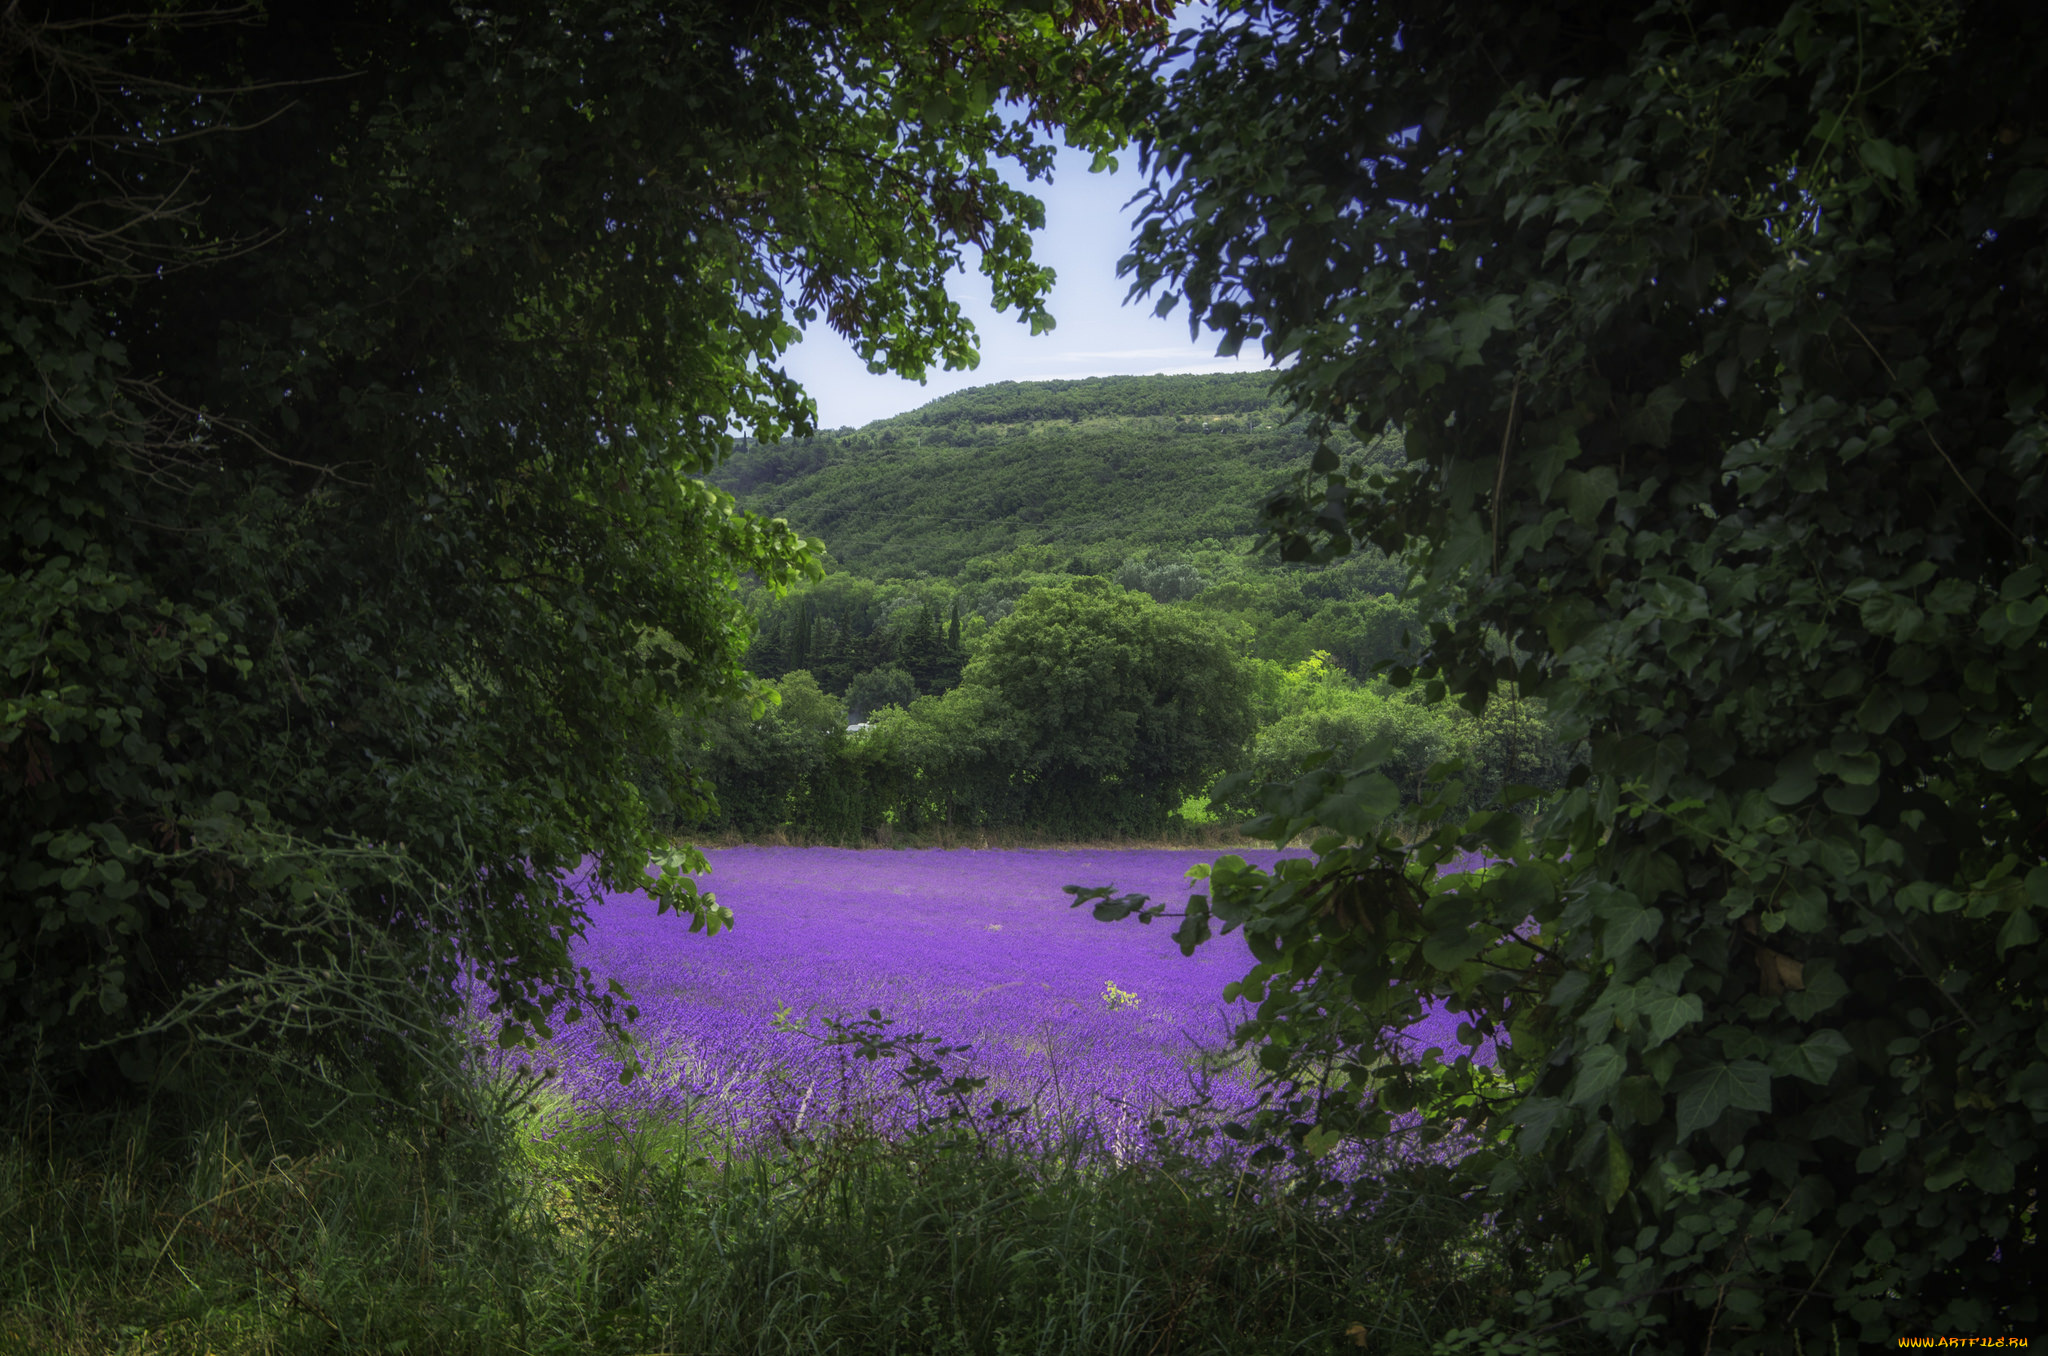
1136 465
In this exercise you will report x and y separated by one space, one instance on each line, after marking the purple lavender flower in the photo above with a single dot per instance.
1093 1028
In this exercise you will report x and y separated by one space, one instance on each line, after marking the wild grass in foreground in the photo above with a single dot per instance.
246 1232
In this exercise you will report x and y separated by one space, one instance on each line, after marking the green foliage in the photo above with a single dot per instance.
889 685
843 627
1716 336
1087 711
1124 465
484 1233
779 764
357 376
1314 709
1117 709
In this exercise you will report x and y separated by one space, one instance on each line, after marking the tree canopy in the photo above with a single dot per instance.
1716 337
1114 709
360 366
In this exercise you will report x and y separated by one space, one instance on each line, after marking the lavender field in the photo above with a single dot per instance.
1092 1026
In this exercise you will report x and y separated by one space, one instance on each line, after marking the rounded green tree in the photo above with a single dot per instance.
1113 709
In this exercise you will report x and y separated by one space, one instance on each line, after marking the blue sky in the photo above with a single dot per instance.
1087 229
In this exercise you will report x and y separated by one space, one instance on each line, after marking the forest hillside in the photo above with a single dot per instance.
1119 464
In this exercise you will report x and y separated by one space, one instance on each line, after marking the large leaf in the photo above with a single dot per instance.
1599 1069
1744 1084
1813 1059
1669 1013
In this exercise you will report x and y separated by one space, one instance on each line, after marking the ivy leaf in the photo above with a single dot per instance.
1600 1068
1640 1099
1537 1117
1813 1059
1587 492
1627 926
1823 988
1650 422
1669 1013
1705 1093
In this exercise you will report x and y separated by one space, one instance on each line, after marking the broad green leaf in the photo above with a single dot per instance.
1449 948
2008 749
1587 492
1524 891
1990 1169
1795 782
1537 1117
1879 710
1618 1168
1946 1174
1813 1059
1599 1069
1320 1141
1705 1093
1362 807
1892 615
1669 1013
2019 930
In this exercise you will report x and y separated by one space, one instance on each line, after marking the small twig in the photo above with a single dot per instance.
1818 1277
1989 512
1500 475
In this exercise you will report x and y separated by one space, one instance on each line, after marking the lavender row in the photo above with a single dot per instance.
1094 1028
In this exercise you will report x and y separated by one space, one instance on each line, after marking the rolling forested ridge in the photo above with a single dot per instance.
1622 596
1116 463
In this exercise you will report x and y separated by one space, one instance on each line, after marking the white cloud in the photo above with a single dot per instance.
1134 354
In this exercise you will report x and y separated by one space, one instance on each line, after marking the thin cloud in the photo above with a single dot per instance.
1083 374
1130 355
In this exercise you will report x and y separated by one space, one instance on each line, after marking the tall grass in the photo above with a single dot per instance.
236 1228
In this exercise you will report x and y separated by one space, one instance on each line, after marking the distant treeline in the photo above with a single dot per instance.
1088 710
845 628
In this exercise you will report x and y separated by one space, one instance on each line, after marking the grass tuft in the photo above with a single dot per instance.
238 1231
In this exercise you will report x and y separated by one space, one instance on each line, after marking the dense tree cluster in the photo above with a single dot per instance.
1005 750
1088 711
359 365
1716 335
842 633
